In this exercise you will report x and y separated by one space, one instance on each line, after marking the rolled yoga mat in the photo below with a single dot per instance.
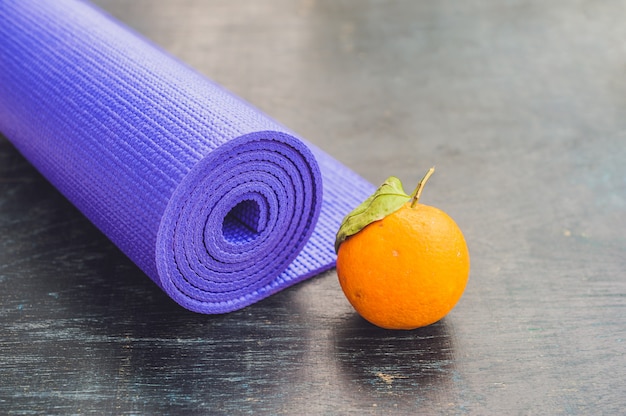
218 204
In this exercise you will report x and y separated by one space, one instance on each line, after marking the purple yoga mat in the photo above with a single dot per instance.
218 204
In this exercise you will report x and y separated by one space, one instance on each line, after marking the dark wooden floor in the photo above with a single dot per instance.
520 105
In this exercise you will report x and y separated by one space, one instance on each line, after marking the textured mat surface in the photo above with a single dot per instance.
218 204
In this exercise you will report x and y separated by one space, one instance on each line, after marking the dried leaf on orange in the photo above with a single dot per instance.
401 264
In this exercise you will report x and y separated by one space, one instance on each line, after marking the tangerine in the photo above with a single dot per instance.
406 270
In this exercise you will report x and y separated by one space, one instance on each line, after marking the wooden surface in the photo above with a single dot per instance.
520 105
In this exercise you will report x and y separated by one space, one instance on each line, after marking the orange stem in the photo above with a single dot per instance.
415 196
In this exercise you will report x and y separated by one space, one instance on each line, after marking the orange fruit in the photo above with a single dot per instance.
406 270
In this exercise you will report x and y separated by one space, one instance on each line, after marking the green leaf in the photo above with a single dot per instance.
388 198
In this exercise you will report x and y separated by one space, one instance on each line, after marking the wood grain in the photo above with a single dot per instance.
521 108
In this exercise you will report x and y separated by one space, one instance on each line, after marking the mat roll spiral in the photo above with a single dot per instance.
216 202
